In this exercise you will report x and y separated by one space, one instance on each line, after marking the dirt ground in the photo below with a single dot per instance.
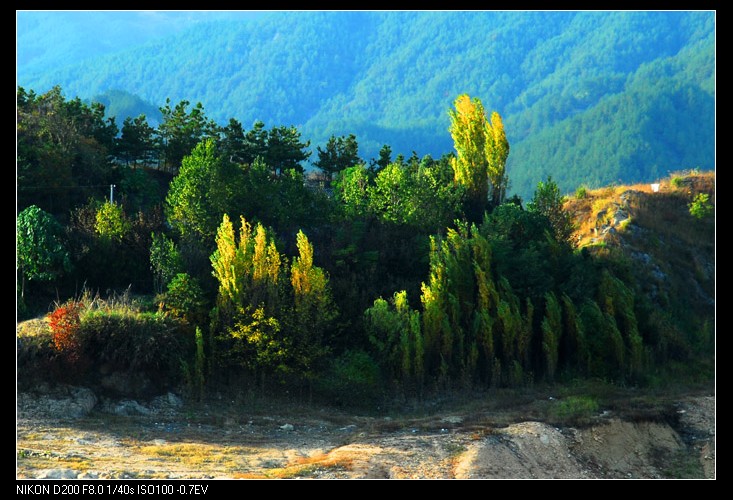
70 434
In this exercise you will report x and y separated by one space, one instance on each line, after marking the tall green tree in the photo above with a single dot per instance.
233 142
247 267
436 199
497 152
248 270
181 130
391 195
551 334
340 153
273 318
548 201
481 153
280 148
573 346
136 142
385 157
395 332
41 253
63 148
165 261
201 192
313 312
617 301
351 188
255 143
285 150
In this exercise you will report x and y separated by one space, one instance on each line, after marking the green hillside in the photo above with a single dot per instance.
588 97
222 264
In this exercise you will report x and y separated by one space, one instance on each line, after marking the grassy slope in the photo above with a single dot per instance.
670 252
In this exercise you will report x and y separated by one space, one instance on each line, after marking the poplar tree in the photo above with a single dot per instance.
313 311
481 153
551 332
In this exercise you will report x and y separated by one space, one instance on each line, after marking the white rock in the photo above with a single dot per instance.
57 474
130 408
174 400
452 419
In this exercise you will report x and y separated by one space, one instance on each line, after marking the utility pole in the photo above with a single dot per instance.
111 193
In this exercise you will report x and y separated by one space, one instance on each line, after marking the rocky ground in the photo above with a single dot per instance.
69 432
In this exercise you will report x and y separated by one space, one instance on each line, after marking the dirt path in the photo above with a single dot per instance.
167 439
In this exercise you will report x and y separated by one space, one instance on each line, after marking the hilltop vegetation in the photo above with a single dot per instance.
587 97
374 280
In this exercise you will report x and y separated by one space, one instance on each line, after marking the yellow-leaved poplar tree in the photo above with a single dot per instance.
497 152
248 270
314 310
481 153
224 261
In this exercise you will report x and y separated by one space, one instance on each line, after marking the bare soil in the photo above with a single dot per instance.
479 438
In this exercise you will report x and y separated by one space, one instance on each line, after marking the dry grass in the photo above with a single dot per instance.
665 213
57 448
248 475
95 451
197 454
121 303
308 466
33 328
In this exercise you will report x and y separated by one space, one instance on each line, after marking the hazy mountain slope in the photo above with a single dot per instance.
587 97
662 120
47 40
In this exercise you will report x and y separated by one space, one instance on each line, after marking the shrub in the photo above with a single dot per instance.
574 409
149 344
185 299
701 208
581 193
165 261
676 182
353 379
64 323
36 354
111 222
195 374
107 344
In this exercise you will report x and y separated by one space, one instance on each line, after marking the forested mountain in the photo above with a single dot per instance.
47 40
587 97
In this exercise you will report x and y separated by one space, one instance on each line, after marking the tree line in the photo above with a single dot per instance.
404 274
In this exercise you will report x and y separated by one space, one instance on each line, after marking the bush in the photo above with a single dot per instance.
185 299
106 344
111 223
36 354
64 325
676 182
581 193
701 208
573 409
152 345
353 379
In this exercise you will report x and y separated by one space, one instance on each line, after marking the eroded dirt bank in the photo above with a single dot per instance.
69 433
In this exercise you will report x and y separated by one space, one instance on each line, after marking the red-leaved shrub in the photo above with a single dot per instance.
64 323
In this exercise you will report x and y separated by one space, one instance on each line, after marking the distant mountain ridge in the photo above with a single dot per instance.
587 97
